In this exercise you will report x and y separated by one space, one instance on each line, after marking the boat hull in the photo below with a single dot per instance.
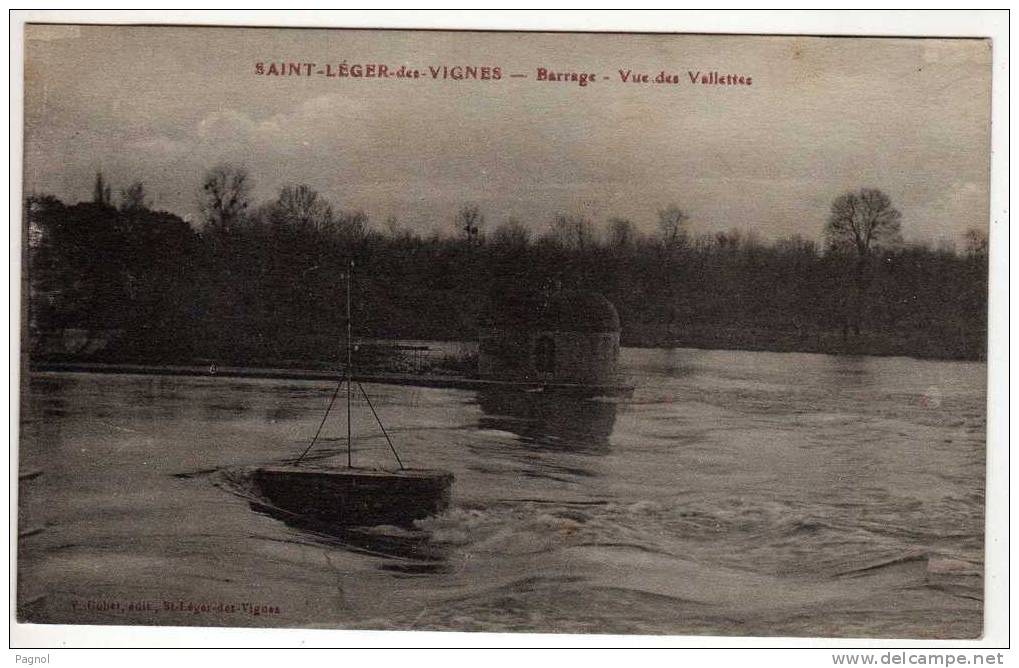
356 497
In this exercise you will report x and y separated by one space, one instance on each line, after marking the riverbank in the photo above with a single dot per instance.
422 380
925 344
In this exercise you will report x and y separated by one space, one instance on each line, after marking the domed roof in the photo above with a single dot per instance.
579 311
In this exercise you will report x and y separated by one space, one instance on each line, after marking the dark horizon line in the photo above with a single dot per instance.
537 228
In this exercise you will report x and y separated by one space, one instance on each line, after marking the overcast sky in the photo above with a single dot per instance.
823 115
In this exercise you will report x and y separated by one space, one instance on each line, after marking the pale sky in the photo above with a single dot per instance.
822 116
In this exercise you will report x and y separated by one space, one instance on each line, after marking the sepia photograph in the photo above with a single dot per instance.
503 331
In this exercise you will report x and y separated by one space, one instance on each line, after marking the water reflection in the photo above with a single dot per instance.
850 371
45 397
283 412
669 362
223 409
550 420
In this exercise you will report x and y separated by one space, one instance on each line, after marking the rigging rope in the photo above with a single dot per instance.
322 423
368 400
349 379
381 426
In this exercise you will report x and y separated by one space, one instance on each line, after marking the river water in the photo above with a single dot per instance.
734 493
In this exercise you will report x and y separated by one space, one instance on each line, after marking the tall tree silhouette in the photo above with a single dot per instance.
469 220
101 191
671 221
223 198
134 198
859 222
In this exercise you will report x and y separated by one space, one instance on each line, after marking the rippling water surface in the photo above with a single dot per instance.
732 493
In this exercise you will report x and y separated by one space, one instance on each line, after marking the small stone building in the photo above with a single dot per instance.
571 336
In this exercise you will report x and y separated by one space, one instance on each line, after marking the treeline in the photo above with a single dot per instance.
263 285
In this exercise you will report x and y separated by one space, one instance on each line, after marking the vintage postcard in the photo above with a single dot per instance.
503 331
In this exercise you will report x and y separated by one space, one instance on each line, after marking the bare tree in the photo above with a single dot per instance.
511 233
134 197
730 239
621 233
397 230
976 242
572 231
101 191
352 225
671 221
301 208
796 245
736 238
223 198
470 220
862 221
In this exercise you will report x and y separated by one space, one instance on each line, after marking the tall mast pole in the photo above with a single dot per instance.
350 370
